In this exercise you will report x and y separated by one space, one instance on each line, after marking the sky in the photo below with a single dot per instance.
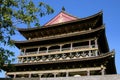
85 8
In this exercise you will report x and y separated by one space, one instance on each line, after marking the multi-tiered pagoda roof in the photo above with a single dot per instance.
76 43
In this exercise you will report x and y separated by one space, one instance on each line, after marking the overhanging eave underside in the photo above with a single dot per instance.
71 26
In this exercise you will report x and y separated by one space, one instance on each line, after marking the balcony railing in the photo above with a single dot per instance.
53 50
80 47
57 50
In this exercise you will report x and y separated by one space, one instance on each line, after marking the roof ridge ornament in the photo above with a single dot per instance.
63 8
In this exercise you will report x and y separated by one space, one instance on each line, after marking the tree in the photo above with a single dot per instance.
12 13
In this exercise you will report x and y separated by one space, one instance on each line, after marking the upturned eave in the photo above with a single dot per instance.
46 30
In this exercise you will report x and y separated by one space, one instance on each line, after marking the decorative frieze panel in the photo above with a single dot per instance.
63 56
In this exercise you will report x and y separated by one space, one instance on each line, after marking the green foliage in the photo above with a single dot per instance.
14 12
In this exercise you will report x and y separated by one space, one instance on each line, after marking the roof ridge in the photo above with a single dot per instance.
69 14
57 15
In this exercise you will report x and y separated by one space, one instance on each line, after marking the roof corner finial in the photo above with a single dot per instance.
63 8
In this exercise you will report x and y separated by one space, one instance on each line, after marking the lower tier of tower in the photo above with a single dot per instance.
60 72
99 65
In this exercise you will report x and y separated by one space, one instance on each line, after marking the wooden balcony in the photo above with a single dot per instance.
56 54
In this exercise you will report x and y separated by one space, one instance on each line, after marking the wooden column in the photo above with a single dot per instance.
24 51
102 70
14 76
96 52
71 46
38 50
61 48
96 44
89 53
88 73
55 75
27 59
22 60
47 49
90 47
67 74
30 75
89 43
40 75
